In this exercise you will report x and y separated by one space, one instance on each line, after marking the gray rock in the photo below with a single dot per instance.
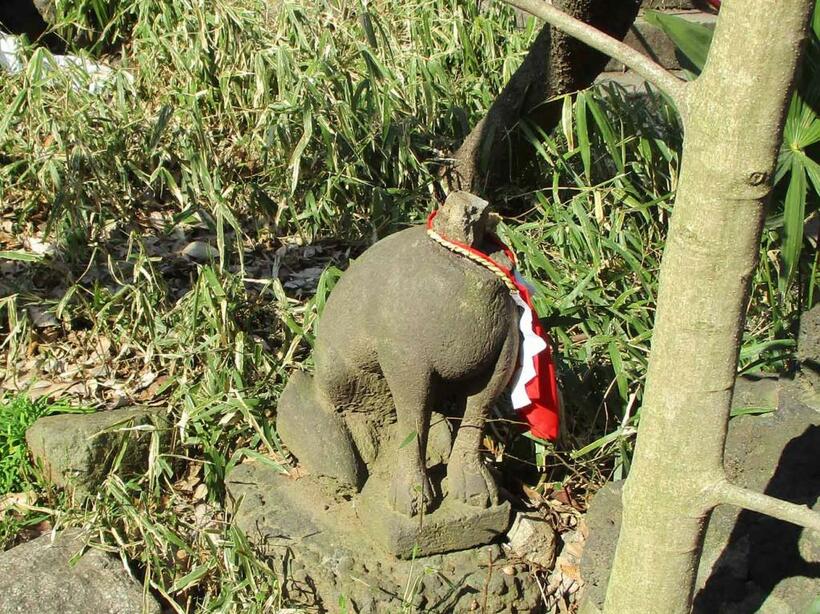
604 522
751 562
533 539
454 525
808 339
808 353
200 251
756 390
39 576
47 9
21 17
78 450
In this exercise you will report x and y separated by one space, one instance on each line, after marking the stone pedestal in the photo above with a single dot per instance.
331 552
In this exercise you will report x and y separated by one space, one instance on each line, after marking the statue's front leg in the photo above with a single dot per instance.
410 491
468 478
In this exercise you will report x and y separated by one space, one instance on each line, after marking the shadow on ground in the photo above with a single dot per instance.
750 562
773 552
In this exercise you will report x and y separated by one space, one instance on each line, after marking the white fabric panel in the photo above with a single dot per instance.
531 345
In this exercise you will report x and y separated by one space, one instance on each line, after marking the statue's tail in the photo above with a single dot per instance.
317 435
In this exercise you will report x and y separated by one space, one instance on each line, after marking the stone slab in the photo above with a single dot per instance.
756 390
808 342
39 576
807 380
325 555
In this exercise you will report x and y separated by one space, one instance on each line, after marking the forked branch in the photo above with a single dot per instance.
726 492
644 66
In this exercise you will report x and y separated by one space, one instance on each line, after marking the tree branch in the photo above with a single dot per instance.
497 153
645 67
726 492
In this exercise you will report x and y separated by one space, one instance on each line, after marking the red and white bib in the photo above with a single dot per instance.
534 387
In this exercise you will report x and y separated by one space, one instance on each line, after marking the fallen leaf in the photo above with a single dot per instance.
570 570
200 492
39 247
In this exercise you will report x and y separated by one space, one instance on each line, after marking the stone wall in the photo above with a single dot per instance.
651 40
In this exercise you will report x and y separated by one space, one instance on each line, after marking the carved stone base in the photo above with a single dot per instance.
451 526
329 552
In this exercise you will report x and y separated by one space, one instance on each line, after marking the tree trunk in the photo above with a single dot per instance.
495 154
733 116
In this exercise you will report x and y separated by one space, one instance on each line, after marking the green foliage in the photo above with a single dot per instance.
592 249
320 119
98 23
16 415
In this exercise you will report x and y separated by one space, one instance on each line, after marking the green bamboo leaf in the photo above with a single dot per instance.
607 132
20 256
256 456
618 367
192 577
757 349
583 134
535 138
693 39
598 443
367 26
296 157
793 217
566 122
467 45
407 440
213 281
162 122
751 411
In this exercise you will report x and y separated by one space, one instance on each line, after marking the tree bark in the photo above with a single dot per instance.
733 118
495 153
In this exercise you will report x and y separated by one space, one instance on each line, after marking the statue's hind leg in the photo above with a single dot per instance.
317 435
468 478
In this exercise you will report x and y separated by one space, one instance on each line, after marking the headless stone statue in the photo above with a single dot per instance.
415 344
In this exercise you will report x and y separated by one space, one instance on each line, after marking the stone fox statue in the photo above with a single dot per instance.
411 328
